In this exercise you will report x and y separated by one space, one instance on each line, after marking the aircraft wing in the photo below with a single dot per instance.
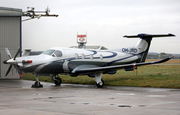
116 67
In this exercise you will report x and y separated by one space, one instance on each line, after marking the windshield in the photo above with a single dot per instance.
48 52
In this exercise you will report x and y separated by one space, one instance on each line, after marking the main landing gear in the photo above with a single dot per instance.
57 80
37 84
99 81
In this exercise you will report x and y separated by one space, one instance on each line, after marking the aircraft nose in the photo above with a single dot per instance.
5 62
11 61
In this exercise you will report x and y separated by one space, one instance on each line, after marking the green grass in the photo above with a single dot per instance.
162 76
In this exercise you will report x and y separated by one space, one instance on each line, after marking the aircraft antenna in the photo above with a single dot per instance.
37 14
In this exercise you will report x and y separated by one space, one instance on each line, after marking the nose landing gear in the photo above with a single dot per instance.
37 84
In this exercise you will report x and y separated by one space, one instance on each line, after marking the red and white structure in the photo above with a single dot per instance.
81 40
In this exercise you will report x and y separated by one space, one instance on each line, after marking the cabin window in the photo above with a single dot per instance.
58 53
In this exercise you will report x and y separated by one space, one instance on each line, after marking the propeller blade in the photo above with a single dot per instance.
9 54
17 53
8 70
19 71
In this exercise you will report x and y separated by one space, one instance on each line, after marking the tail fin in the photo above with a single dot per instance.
144 43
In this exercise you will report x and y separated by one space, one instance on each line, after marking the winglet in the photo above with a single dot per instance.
163 60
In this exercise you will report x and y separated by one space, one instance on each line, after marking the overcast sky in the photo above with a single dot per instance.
105 21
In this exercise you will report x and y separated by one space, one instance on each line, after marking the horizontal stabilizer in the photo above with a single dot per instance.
149 35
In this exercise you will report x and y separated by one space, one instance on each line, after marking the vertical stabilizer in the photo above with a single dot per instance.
144 43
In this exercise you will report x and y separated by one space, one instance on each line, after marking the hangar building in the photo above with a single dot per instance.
10 37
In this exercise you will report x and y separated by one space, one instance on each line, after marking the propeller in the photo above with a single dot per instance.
15 65
9 54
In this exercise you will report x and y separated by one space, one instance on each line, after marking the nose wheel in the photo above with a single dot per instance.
37 84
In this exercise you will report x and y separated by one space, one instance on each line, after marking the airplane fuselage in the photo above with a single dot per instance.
50 63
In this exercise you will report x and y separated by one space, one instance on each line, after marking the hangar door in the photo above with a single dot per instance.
10 37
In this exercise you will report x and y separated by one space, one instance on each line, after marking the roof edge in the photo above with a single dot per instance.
11 9
5 11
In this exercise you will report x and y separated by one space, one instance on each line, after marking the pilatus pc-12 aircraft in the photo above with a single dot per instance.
74 62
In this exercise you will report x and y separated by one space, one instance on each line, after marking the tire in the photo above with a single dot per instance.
101 84
37 84
57 81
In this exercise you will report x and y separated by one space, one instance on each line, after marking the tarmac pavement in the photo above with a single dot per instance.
18 98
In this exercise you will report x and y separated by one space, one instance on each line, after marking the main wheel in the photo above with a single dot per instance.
57 81
100 84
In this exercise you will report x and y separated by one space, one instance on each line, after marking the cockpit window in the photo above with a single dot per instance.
58 53
54 53
48 52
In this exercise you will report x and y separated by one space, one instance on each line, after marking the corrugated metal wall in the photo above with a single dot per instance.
10 34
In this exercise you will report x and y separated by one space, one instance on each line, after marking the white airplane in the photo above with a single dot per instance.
74 62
